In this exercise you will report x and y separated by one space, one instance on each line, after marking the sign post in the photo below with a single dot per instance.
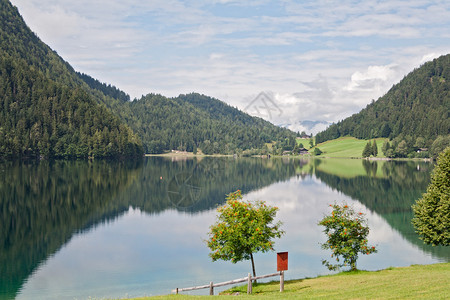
282 265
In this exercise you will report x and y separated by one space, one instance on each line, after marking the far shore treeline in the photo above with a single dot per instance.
49 110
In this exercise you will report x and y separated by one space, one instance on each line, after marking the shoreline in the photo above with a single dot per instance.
192 155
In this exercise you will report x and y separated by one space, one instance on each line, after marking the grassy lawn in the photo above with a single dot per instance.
414 282
347 147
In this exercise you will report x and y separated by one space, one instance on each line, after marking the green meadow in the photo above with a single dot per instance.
347 147
414 282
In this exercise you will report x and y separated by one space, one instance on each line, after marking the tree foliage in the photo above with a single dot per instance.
317 151
367 150
374 148
347 233
439 145
432 212
243 228
370 149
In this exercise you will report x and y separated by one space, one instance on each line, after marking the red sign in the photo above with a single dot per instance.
282 261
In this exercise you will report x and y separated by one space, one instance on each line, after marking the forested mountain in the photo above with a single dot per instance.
48 109
196 121
45 110
39 117
416 110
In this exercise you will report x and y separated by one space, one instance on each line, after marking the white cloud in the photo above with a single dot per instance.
372 79
428 57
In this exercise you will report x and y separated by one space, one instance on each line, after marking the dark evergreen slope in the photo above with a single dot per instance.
417 107
45 109
39 117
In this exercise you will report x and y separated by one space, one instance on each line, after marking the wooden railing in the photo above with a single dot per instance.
247 279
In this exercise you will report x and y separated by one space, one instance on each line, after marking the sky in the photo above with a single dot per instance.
300 64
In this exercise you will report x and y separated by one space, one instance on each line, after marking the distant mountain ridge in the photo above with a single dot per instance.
415 110
117 126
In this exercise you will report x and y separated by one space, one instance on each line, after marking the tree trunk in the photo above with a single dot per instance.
253 265
353 264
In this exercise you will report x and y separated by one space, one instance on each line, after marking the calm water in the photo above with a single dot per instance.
74 230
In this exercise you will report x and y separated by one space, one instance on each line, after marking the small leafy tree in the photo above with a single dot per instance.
243 228
402 149
432 211
347 236
439 145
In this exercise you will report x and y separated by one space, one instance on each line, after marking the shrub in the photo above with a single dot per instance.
347 236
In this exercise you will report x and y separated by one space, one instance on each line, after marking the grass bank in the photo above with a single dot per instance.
414 282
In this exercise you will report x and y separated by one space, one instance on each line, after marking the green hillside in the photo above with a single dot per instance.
415 111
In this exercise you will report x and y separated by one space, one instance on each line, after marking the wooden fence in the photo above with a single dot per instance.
247 279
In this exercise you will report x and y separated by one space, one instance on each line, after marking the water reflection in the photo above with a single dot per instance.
390 193
43 204
75 229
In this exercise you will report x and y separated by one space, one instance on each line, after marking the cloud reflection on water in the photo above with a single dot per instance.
160 252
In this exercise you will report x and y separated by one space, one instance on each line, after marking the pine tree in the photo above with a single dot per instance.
367 150
432 211
374 148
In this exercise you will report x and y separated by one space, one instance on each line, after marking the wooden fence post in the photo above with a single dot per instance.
249 284
281 281
211 289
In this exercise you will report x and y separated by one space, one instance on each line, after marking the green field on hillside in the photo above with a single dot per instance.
348 147
304 142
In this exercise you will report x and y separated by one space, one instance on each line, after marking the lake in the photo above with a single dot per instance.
80 229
